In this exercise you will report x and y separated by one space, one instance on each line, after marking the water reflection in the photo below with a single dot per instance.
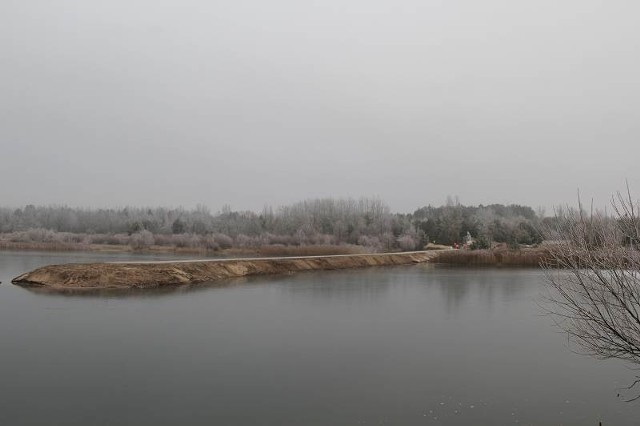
344 285
398 345
119 293
458 287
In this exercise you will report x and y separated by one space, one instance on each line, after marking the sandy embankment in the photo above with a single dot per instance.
160 274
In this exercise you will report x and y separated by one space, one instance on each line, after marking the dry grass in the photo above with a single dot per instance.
432 246
309 250
43 246
274 250
524 257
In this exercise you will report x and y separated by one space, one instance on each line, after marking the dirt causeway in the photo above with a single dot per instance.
161 274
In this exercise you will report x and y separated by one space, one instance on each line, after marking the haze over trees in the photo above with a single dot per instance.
366 222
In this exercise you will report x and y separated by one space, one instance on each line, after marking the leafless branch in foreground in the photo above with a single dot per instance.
594 279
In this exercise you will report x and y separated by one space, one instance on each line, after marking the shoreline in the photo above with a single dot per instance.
233 252
164 273
123 275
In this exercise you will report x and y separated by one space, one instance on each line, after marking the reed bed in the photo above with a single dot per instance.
524 257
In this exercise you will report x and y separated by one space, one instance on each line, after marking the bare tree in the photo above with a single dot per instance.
593 274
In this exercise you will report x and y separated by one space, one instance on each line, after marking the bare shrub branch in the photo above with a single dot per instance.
593 273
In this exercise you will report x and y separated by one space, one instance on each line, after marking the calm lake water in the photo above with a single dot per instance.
400 345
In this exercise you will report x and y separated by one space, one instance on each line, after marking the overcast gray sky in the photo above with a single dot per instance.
253 102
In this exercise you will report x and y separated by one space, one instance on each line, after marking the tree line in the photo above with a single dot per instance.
496 223
367 222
